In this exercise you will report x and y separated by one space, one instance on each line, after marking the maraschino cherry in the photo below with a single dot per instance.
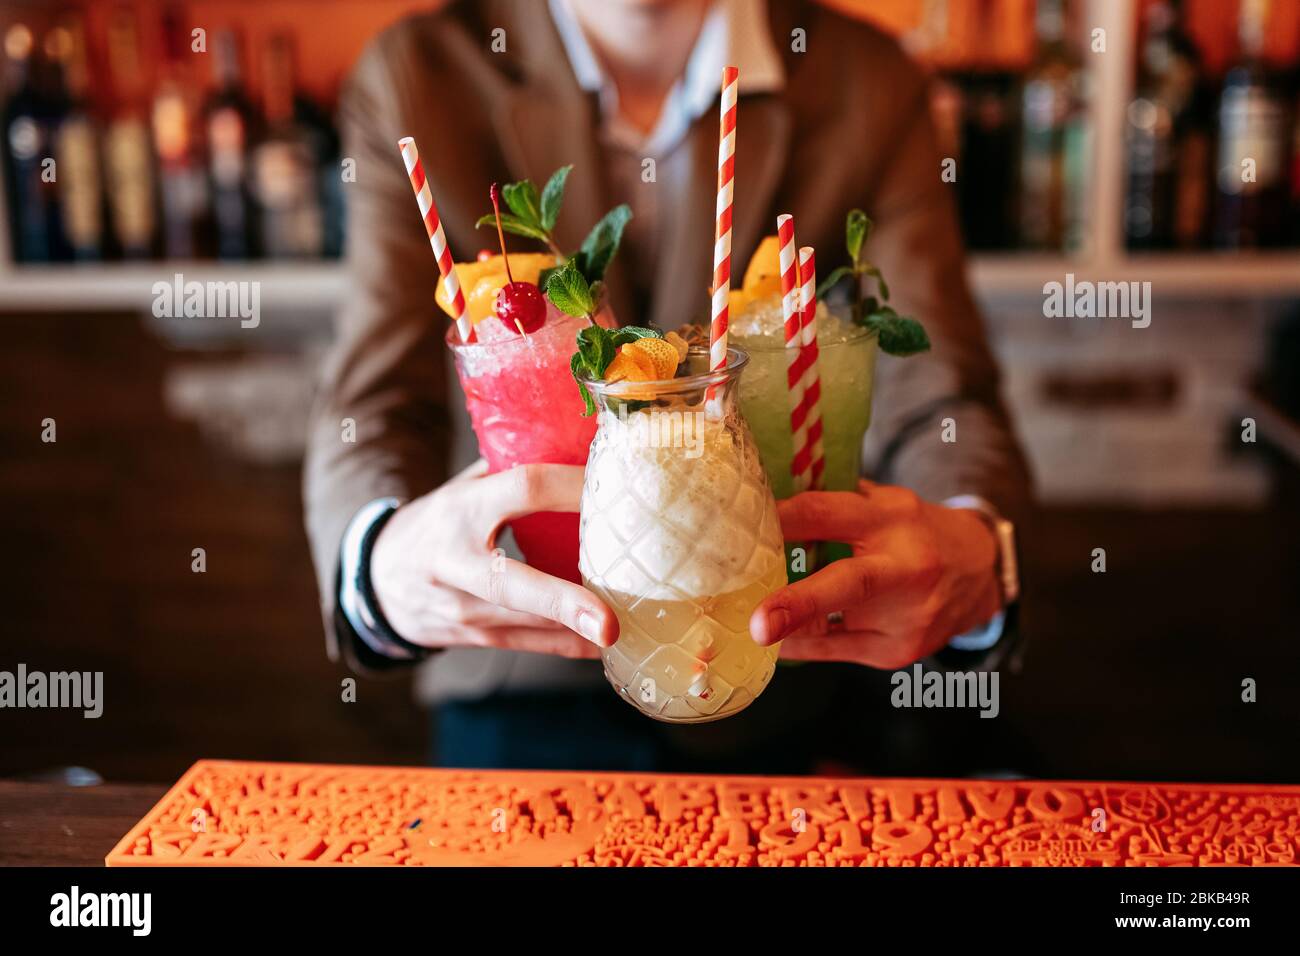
519 305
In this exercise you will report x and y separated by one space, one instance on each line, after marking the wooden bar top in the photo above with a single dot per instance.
47 824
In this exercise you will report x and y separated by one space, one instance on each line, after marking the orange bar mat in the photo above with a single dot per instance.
266 814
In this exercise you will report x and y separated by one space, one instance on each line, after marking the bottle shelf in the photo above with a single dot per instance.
128 287
1172 275
320 286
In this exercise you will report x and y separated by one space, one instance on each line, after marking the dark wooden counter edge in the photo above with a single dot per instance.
44 824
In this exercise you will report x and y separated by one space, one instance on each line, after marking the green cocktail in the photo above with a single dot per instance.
846 365
846 340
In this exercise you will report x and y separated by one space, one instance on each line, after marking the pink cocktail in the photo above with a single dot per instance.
526 409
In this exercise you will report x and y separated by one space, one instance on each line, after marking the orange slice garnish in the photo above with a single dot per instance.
631 365
662 355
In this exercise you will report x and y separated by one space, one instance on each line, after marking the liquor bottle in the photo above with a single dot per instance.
286 164
1295 164
1167 139
128 163
1053 147
229 121
182 179
987 198
24 125
987 184
1252 144
76 143
1295 174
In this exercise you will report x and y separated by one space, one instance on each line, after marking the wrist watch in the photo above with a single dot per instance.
1006 569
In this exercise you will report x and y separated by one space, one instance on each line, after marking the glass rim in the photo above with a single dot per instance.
452 337
859 333
737 359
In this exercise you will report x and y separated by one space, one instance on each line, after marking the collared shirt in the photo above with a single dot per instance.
734 33
638 165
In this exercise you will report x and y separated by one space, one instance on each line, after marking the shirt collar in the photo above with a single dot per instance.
734 33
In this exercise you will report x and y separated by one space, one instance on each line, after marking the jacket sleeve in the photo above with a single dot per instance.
380 424
917 245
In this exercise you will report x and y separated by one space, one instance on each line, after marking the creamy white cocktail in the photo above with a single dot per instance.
680 536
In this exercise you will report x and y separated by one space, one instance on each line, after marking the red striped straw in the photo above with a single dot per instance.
795 354
722 228
437 238
814 463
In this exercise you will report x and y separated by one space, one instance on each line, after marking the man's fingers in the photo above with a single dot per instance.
870 648
527 489
841 586
476 470
825 516
846 515
473 611
515 585
543 641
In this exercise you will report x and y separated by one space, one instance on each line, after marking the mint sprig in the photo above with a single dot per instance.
533 215
568 288
597 347
553 197
523 200
602 243
896 334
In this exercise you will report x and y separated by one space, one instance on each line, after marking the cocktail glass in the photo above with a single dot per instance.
681 539
847 366
526 409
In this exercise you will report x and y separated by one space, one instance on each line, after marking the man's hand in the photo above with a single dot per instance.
920 575
439 583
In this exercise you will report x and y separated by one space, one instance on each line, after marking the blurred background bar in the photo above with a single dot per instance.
1110 155
180 157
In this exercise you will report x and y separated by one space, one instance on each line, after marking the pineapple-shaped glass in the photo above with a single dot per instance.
680 536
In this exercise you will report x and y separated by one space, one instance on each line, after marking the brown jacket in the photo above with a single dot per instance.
851 128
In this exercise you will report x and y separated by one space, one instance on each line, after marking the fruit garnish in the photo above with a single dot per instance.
482 299
738 300
763 274
632 365
485 254
519 305
662 355
678 343
599 348
896 334
693 334
526 266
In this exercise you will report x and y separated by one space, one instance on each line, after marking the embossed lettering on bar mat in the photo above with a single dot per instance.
233 813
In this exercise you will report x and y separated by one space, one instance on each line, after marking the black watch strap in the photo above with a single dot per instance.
952 659
366 619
